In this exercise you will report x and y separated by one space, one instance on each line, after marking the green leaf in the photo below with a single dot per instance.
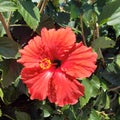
30 13
62 18
107 105
96 115
10 72
8 48
115 18
1 94
46 113
36 1
91 89
118 60
2 31
0 112
108 11
102 101
112 74
90 18
75 11
10 94
7 5
103 42
22 115
57 118
119 99
117 29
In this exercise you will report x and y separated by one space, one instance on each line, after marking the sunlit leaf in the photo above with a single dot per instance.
36 1
115 18
96 115
2 31
117 29
91 90
118 60
46 113
0 112
1 94
7 5
108 11
30 13
107 105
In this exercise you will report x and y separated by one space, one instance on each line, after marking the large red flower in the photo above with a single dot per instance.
52 63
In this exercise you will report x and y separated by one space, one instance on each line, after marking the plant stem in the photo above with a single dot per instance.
114 89
82 29
72 109
43 5
39 4
100 52
5 26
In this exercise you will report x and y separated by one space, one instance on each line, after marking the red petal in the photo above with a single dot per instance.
32 53
58 42
66 90
81 62
37 82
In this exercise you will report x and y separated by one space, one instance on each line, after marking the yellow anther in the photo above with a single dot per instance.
45 63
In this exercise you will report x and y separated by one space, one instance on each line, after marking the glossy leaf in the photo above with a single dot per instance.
46 113
8 48
30 13
118 60
36 1
1 94
91 90
108 11
7 5
117 29
115 18
2 31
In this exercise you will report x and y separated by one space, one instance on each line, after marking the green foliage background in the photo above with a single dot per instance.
95 22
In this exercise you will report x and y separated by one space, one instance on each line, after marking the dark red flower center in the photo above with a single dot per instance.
57 63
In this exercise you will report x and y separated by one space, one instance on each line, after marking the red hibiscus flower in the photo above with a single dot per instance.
52 63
